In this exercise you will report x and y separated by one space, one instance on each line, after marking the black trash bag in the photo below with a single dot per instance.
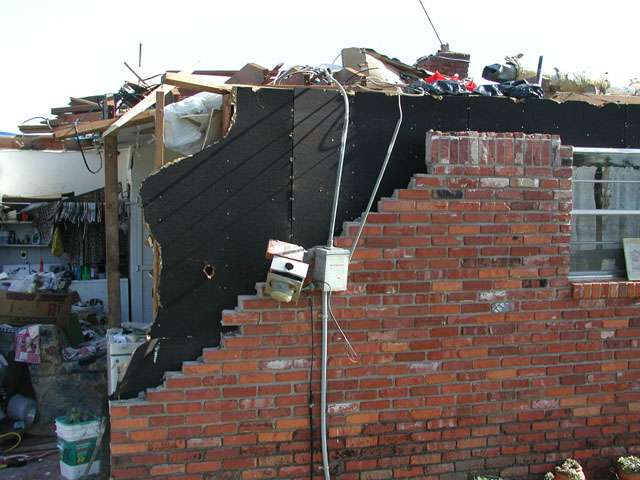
488 91
451 87
521 89
422 86
440 87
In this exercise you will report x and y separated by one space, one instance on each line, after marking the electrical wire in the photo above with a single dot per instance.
42 118
282 76
429 18
379 179
75 127
351 353
13 447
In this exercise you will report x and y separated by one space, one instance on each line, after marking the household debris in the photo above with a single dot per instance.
361 69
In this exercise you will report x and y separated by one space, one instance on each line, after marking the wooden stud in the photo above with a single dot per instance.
159 128
112 238
159 161
227 113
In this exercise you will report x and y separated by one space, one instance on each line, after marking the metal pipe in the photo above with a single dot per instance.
539 71
343 147
323 390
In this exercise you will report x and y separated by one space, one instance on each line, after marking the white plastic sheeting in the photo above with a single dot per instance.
186 122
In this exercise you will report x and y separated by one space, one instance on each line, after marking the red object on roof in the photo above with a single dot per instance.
470 85
435 77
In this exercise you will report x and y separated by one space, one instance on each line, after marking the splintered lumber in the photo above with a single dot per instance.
143 104
138 108
215 73
250 74
73 109
195 82
82 101
102 125
34 128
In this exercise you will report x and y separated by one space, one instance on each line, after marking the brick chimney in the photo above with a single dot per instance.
446 62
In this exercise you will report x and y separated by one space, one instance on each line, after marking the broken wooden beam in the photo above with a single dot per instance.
215 73
40 142
102 125
196 83
35 128
73 109
250 74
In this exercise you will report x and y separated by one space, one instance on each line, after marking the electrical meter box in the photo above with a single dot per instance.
331 269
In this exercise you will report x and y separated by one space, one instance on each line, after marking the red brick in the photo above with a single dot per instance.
142 435
137 472
129 423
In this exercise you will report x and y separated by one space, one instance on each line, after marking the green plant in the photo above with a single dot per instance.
548 476
629 464
569 465
483 477
569 468
77 415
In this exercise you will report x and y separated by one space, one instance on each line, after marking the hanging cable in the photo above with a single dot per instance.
432 26
42 118
75 127
351 353
379 179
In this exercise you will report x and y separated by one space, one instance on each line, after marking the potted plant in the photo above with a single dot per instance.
569 469
628 468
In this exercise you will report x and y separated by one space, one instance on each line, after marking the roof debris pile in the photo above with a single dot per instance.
362 69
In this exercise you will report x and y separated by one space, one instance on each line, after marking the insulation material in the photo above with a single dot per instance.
185 122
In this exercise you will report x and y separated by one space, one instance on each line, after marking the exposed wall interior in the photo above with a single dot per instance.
475 353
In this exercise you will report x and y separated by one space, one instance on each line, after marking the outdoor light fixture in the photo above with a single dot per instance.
285 278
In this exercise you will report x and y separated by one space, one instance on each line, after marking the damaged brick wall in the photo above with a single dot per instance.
446 62
475 354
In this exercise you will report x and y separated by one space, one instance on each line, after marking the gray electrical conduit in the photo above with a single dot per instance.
325 294
343 147
382 170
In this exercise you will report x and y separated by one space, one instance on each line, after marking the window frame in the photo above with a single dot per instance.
610 153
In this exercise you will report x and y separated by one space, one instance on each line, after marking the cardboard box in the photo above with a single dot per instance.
19 309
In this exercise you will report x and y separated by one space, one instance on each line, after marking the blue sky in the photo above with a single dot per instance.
54 50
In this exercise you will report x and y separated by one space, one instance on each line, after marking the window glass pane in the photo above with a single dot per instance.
604 180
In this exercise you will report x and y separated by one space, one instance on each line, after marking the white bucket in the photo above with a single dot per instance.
76 443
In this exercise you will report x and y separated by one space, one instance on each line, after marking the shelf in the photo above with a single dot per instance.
23 245
16 222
